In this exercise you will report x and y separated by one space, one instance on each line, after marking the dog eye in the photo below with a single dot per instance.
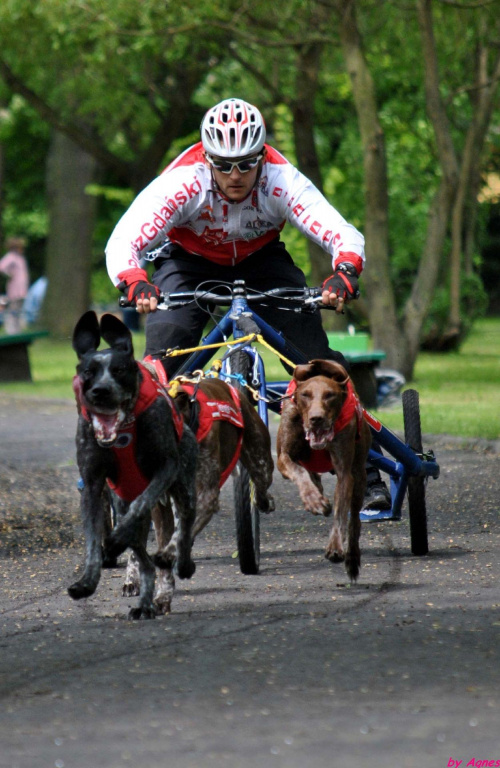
305 396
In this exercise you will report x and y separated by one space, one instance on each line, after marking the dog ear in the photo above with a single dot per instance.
303 372
86 336
328 368
116 334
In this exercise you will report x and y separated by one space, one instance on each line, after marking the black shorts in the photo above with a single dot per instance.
270 267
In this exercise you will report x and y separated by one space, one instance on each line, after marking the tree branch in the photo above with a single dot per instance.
87 139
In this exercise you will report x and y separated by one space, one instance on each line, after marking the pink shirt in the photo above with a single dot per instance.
14 266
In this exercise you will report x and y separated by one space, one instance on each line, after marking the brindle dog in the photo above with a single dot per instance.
216 454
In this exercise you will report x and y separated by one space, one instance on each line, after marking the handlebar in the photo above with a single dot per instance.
224 294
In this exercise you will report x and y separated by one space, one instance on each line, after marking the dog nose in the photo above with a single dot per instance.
315 420
99 391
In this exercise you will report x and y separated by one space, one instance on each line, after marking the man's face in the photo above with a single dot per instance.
237 185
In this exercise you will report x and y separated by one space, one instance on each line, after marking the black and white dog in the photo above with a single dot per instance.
129 435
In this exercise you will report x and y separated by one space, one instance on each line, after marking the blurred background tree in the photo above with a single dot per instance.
391 110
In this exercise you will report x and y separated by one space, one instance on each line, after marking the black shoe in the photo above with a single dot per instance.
377 496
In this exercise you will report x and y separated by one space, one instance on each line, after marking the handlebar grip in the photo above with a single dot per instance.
125 303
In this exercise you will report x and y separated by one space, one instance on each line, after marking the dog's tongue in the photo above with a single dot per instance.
319 438
106 426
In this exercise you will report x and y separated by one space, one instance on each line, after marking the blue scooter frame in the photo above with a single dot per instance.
407 467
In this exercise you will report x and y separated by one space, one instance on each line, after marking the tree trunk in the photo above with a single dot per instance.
465 205
376 276
71 227
307 66
303 110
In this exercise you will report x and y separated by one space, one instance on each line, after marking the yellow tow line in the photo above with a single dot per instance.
217 364
242 340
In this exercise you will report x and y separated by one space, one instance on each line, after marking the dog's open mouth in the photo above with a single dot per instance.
319 438
106 426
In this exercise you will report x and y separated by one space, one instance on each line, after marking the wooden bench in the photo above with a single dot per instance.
14 356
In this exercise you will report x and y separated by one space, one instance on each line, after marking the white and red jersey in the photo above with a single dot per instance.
183 205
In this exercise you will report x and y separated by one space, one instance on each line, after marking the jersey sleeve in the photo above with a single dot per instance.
167 201
309 211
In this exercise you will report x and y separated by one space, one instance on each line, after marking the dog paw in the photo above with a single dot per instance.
81 589
142 613
186 569
163 604
266 504
129 589
352 566
335 557
318 505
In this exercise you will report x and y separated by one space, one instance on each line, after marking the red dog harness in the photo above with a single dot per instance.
320 460
209 411
218 410
131 482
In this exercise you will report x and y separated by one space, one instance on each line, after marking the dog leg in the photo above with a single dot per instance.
183 493
335 550
312 499
108 526
146 608
185 510
342 455
256 456
125 532
164 523
132 581
165 588
93 524
260 468
353 553
207 486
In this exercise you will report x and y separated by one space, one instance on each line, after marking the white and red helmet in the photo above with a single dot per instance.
233 128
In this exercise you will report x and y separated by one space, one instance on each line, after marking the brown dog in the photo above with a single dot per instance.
322 429
227 431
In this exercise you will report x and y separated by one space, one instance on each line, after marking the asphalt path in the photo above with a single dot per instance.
293 668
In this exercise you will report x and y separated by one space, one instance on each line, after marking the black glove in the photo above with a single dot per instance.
135 285
343 282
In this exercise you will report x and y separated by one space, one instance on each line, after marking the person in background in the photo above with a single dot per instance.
215 214
15 267
34 300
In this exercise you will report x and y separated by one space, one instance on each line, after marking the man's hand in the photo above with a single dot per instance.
134 283
341 287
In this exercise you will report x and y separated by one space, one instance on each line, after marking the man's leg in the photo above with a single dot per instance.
177 328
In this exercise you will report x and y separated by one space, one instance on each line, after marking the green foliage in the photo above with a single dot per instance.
474 303
24 138
102 291
114 71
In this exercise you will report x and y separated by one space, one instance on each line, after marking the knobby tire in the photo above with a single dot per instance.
245 509
416 485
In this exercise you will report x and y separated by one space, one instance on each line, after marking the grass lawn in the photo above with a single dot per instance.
459 392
